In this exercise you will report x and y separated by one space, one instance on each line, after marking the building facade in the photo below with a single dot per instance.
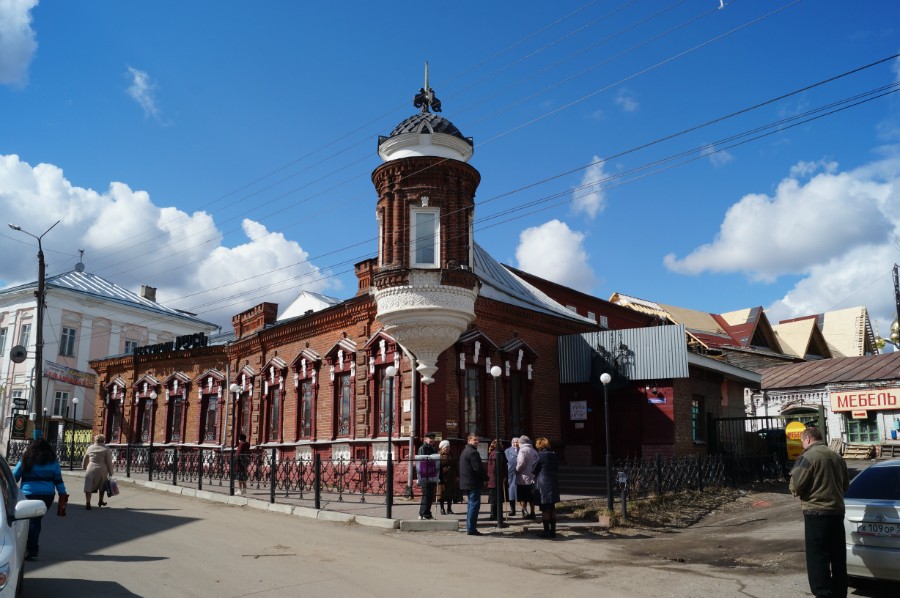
85 318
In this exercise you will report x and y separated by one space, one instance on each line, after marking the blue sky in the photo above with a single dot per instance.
222 151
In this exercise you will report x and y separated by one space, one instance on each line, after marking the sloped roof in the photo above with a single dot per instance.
839 369
848 331
500 284
85 283
802 338
307 301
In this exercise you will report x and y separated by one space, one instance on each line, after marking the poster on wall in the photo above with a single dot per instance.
69 375
578 410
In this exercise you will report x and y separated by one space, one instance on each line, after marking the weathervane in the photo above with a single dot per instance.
426 99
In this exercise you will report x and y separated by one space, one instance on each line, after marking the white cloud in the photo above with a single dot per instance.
131 241
556 252
143 91
17 41
626 101
839 232
716 157
588 197
803 169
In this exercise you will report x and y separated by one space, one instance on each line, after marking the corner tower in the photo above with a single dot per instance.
425 287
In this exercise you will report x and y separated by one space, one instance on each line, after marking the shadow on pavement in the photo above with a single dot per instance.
75 588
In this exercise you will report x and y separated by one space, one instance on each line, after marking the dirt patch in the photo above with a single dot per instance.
758 529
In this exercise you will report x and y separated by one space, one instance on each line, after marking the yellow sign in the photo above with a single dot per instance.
794 445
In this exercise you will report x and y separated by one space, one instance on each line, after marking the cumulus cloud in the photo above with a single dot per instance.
143 91
588 197
131 241
555 252
17 41
839 232
626 101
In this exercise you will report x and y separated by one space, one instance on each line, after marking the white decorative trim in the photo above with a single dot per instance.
529 371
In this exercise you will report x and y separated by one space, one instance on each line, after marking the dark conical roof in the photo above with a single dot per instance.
426 122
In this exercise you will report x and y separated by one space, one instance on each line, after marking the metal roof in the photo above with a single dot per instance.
95 286
838 369
500 284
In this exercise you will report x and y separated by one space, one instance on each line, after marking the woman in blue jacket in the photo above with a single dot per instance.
41 479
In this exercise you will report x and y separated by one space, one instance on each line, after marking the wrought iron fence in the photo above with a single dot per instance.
643 477
269 470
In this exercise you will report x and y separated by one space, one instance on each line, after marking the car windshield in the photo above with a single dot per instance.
876 483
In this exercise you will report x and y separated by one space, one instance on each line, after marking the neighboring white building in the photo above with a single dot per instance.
86 317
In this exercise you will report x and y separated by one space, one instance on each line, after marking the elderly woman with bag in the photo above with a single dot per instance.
448 485
98 465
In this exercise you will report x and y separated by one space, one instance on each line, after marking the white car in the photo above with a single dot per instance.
14 516
872 522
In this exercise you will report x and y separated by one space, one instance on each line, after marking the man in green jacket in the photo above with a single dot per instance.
819 478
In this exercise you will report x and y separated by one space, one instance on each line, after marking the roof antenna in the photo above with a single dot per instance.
79 267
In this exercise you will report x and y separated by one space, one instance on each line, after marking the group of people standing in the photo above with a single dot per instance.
528 476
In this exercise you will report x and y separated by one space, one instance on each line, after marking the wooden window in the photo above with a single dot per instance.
472 407
145 420
863 430
67 342
384 401
343 391
273 414
244 424
174 418
306 413
698 419
209 406
25 335
60 403
113 421
517 404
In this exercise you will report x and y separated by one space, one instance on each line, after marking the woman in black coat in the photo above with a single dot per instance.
546 485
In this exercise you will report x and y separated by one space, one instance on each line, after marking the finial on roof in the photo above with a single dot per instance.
426 99
79 267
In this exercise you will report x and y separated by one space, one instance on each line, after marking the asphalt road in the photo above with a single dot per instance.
152 543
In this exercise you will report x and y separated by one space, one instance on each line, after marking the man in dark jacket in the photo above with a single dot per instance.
819 478
471 478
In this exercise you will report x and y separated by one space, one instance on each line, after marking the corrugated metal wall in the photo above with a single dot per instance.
653 353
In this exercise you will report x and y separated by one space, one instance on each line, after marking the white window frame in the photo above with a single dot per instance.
3 341
130 346
413 237
25 334
60 402
67 341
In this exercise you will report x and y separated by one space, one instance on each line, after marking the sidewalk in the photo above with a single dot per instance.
371 513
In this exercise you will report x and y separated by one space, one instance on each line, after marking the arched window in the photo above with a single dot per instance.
145 396
115 400
209 394
475 351
273 395
518 371
306 377
176 406
341 360
382 352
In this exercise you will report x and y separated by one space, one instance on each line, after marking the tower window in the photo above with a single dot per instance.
425 237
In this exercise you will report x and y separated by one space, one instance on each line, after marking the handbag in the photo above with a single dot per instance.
61 505
112 487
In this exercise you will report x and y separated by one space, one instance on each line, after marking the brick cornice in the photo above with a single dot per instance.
518 316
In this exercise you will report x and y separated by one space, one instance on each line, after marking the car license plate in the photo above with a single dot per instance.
888 530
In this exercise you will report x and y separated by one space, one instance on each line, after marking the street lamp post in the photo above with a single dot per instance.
606 379
499 475
39 340
152 406
43 431
235 389
72 442
390 372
